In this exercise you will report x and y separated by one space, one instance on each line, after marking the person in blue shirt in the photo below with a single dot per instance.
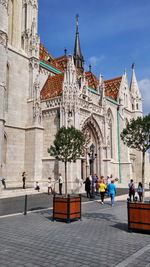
112 192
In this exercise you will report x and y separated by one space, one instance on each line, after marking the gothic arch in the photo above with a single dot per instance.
92 124
93 135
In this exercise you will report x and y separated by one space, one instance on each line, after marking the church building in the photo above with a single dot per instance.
40 93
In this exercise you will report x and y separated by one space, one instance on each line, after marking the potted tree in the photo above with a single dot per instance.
136 135
68 146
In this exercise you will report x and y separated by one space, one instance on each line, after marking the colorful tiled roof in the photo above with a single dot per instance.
47 58
112 87
92 80
53 86
62 61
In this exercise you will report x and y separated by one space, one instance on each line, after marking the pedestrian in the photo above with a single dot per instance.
102 187
88 187
131 189
3 182
24 179
60 181
112 192
97 186
108 182
50 185
37 186
140 191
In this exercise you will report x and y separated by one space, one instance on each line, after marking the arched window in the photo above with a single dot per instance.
137 106
132 107
10 20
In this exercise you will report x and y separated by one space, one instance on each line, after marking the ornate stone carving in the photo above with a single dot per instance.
3 38
37 112
33 3
4 3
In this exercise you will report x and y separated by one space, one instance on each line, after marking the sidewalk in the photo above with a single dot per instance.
101 239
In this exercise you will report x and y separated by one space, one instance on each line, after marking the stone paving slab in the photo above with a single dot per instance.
100 239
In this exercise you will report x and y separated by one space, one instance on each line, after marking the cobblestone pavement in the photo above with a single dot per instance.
38 201
100 239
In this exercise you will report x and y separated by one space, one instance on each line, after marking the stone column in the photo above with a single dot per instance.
3 64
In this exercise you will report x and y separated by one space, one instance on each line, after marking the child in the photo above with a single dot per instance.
37 187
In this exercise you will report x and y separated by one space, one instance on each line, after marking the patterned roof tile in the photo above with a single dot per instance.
52 87
112 87
92 80
47 58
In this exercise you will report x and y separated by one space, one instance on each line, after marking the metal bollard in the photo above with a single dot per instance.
25 205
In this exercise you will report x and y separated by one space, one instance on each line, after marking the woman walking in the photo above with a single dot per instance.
102 187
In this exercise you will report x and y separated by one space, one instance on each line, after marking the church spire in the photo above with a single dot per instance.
78 58
134 88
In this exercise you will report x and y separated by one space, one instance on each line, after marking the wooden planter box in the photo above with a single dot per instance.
67 208
139 216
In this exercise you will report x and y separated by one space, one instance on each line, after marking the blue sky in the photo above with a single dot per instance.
113 35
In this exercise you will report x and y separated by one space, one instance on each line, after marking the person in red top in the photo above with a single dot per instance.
131 189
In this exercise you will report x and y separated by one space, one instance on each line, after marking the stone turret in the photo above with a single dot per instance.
136 98
30 38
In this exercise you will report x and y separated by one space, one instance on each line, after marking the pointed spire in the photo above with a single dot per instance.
78 58
134 88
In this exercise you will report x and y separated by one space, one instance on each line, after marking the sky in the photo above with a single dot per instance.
113 35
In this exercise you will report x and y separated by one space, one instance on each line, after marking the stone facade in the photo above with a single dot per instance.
39 94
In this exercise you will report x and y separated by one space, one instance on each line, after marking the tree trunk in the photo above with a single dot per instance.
143 173
66 191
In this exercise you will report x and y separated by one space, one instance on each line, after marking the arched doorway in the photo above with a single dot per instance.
93 137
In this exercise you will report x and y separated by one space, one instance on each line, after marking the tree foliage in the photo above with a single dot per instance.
137 134
68 144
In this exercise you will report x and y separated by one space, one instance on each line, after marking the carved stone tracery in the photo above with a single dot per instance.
3 38
4 3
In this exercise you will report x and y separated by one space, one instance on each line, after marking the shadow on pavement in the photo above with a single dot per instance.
100 216
36 208
121 226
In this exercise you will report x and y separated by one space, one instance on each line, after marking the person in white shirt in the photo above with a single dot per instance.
60 181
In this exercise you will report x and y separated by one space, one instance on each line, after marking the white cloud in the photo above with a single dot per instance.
95 60
145 89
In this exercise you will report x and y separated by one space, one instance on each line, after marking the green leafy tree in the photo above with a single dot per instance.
68 146
137 135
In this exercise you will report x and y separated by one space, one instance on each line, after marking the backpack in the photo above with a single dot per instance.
132 189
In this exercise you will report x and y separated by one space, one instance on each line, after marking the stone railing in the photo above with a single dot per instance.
51 103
